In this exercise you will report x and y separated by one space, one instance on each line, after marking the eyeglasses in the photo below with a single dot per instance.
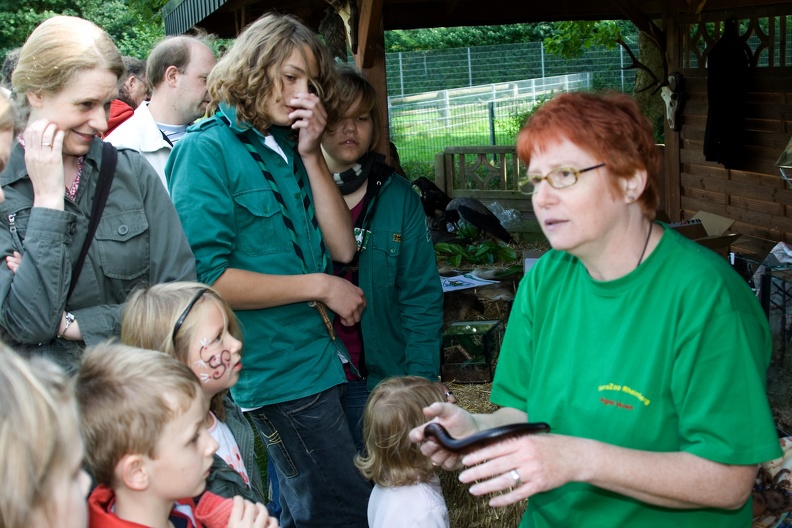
557 178
183 316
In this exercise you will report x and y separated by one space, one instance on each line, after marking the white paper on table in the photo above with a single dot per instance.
463 282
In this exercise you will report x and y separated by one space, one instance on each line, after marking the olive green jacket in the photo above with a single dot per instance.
139 240
223 479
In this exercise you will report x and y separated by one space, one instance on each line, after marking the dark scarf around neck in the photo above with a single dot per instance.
351 179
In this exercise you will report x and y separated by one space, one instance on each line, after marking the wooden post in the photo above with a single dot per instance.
370 60
671 165
440 172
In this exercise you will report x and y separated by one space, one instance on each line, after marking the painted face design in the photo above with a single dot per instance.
214 362
217 360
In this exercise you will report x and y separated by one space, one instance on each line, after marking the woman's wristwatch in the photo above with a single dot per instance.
69 320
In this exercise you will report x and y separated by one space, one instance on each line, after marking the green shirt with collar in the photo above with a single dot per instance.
233 220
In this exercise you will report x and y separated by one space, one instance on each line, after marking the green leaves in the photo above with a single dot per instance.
16 24
571 38
460 37
515 121
467 232
452 253
486 252
134 25
566 39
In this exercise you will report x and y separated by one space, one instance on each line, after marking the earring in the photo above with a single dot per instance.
630 198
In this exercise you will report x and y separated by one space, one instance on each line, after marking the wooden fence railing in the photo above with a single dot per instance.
489 174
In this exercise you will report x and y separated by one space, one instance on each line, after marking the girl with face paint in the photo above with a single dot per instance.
192 323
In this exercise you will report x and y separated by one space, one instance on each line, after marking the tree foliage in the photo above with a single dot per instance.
134 32
148 9
134 25
460 37
571 38
566 39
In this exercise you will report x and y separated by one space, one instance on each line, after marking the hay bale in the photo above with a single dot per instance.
465 510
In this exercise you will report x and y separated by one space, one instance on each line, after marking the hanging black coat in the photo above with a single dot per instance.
728 73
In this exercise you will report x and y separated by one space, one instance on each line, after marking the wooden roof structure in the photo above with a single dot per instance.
226 18
753 195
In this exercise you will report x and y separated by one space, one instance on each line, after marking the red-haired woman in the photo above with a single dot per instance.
644 351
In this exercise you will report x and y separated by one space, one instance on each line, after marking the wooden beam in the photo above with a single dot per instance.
450 6
413 14
240 18
698 7
370 60
672 162
369 27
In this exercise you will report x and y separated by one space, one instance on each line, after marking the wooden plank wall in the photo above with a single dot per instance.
753 194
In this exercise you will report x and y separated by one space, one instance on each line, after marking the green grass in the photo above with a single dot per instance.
420 134
417 152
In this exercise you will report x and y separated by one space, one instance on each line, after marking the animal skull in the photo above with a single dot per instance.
672 96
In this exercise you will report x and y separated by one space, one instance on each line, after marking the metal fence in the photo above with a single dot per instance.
479 115
478 95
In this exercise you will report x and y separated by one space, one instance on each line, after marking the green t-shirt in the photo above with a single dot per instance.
671 357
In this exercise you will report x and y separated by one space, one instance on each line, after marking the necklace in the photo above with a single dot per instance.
71 192
646 244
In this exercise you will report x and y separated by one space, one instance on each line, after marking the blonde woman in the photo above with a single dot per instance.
68 72
40 447
407 491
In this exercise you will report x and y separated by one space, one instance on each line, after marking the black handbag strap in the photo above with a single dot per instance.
106 175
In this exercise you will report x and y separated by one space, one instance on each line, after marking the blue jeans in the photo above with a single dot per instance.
356 397
309 442
273 498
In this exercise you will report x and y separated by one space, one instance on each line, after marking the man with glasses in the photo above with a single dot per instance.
176 71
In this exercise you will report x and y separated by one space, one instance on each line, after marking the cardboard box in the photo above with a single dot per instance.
709 230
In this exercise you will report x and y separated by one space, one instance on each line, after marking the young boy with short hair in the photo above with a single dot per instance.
144 423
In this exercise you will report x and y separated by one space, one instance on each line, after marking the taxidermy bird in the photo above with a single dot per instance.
433 199
476 214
